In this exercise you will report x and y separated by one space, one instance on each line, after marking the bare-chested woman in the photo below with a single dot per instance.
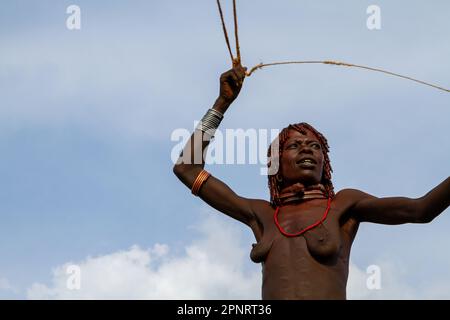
305 233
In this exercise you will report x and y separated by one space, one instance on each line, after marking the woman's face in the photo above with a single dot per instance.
301 159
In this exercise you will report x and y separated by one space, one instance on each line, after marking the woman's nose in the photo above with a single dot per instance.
305 149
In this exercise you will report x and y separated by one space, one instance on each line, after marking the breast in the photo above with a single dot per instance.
324 243
261 249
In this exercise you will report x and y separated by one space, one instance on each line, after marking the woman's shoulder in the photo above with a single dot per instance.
261 205
350 193
345 199
262 210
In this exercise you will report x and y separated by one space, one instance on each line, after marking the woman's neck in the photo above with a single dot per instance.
298 192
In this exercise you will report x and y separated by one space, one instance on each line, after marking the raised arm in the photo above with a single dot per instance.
191 161
398 210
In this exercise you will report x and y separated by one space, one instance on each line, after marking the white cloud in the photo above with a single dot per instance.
5 285
210 268
396 283
7 290
392 284
215 266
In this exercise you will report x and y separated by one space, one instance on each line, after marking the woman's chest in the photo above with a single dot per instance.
306 230
316 230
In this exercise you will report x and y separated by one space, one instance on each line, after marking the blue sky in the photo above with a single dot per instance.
86 118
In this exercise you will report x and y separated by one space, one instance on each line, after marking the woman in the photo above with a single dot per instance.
304 234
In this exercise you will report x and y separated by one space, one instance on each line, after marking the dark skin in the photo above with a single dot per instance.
314 265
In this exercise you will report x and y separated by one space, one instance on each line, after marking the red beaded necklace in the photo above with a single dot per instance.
305 229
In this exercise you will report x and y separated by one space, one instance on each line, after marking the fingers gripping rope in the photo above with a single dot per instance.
237 61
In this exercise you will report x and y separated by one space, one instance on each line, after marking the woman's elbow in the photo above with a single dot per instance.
424 218
421 214
179 170
185 173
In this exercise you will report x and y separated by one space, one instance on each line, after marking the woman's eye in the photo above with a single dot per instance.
316 145
292 146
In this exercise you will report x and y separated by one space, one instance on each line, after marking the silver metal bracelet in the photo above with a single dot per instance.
210 122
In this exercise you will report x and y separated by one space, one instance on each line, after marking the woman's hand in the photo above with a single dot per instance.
231 84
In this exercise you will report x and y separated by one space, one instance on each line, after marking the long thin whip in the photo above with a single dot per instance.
338 63
224 27
237 61
236 35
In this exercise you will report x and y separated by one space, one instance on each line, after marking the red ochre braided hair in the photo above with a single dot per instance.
274 184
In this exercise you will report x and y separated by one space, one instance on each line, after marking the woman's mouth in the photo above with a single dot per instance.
306 163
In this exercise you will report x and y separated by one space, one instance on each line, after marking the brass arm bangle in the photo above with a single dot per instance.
201 178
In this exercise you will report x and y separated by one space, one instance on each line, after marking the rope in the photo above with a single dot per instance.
237 61
225 30
238 49
337 63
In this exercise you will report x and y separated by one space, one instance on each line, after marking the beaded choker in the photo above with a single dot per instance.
298 192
